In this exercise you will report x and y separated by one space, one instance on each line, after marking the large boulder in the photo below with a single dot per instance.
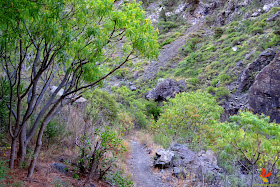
165 89
163 159
203 163
264 95
248 76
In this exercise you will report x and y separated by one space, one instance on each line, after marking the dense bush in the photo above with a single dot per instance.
218 32
55 132
187 119
102 108
251 140
99 158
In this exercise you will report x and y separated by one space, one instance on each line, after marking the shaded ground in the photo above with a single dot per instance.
141 168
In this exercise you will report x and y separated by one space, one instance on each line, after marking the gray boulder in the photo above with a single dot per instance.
165 89
248 76
62 168
163 159
201 164
264 95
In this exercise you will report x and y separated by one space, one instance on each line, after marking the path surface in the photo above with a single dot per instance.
141 168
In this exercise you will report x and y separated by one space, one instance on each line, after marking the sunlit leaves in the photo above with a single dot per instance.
79 29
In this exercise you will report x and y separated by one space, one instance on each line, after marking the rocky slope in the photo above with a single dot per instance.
216 46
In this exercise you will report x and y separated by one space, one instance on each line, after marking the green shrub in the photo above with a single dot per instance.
251 138
55 131
218 32
153 109
257 30
102 107
186 119
99 157
3 171
194 81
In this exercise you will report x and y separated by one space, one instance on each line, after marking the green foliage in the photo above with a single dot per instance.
194 81
185 114
3 171
100 157
252 138
103 107
152 108
118 179
218 32
136 107
165 26
55 131
125 123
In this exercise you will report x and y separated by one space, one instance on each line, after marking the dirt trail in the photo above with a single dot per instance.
141 168
170 51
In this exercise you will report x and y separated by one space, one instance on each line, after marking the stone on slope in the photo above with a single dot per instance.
248 76
163 159
165 89
264 95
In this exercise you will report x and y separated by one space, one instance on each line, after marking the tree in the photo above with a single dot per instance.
68 43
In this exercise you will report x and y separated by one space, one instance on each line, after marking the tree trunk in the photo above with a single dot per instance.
252 179
13 153
22 146
37 150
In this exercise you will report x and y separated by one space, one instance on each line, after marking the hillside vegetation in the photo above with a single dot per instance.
82 83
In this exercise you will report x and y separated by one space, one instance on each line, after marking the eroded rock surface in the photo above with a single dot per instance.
165 89
264 95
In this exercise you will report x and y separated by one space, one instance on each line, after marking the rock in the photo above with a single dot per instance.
201 164
163 159
267 7
273 17
234 48
62 168
179 173
53 88
165 89
184 156
256 14
209 157
264 95
81 100
248 75
133 87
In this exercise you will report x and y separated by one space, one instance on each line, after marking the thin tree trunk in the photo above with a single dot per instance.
252 179
22 145
36 151
13 153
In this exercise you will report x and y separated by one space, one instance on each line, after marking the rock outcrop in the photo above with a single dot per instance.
248 76
163 159
165 89
264 95
184 162
240 99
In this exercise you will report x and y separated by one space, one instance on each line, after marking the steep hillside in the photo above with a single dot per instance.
210 45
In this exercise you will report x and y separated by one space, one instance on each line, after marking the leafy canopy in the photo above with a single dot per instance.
77 29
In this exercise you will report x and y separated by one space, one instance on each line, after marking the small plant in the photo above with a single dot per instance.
99 158
218 32
3 171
